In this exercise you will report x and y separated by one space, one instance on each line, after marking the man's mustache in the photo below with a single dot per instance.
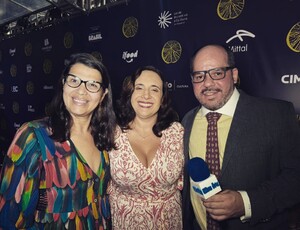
211 90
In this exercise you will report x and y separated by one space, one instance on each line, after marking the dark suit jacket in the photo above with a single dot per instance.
262 157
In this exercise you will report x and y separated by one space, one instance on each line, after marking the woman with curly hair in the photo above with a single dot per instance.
147 164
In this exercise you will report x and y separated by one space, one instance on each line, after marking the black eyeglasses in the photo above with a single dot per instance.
215 74
74 82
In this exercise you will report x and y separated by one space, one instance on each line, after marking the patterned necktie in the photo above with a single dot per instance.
212 156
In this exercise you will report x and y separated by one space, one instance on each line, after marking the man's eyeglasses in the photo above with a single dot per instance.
215 74
74 82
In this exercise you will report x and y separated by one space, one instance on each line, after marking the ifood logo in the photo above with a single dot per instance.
128 57
290 79
239 35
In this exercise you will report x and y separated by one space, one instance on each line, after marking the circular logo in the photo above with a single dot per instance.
68 40
28 49
97 55
230 9
16 107
47 66
30 87
293 38
130 27
13 70
171 52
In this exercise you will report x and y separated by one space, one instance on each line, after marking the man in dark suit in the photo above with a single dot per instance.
259 150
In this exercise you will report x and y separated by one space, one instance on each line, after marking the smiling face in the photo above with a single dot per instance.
79 102
147 95
213 94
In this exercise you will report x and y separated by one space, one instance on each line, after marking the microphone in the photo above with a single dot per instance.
203 183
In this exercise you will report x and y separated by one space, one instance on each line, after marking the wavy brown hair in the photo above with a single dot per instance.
125 112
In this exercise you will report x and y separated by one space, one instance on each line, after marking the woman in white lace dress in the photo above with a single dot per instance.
147 167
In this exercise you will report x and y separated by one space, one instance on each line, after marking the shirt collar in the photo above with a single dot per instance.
228 109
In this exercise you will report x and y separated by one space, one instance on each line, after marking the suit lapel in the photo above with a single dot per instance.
236 136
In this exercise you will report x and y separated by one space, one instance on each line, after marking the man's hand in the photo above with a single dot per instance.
224 205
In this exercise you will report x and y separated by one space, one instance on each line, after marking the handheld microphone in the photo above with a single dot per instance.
202 182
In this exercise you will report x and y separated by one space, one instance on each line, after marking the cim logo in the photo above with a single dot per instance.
290 79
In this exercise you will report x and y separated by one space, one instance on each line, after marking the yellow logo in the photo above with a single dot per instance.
28 49
13 70
16 107
68 40
130 27
30 87
171 52
293 38
230 9
47 66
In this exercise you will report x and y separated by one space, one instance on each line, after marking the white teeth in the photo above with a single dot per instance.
79 101
210 92
145 104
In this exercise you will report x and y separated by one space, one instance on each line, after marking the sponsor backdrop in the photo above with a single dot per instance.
265 36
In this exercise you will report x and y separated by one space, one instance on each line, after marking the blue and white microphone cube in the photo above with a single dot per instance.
207 187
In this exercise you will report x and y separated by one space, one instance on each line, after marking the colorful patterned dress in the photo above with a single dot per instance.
147 198
48 185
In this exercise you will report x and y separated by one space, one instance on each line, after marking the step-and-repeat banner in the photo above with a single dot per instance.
264 35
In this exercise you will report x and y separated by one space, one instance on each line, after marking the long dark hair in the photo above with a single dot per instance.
103 121
125 112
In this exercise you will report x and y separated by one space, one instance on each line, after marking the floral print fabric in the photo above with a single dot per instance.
147 198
